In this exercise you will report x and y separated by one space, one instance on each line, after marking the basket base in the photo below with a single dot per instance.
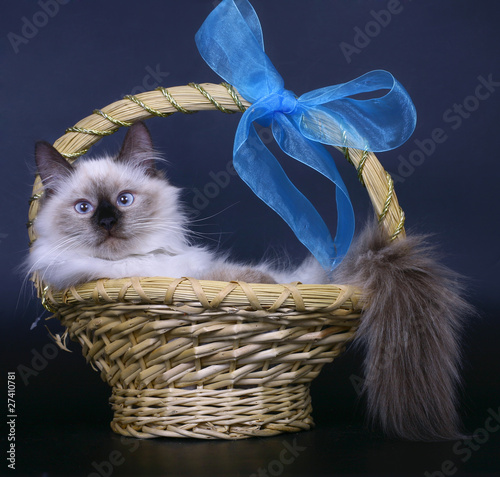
211 414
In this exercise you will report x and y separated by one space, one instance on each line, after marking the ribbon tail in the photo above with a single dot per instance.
260 170
314 155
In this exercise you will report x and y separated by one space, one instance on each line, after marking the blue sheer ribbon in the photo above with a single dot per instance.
231 42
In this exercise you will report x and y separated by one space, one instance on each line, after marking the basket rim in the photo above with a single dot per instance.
186 293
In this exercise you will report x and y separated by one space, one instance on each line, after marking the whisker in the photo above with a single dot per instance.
193 221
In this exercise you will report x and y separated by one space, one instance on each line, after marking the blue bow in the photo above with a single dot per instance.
231 42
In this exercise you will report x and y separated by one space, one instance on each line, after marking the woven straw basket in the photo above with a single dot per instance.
207 359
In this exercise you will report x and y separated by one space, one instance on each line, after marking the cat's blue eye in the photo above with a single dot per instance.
125 199
83 207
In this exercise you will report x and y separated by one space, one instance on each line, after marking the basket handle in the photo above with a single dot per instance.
200 97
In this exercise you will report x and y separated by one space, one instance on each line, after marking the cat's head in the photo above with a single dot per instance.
109 207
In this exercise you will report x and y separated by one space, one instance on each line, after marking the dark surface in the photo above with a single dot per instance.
323 452
89 54
63 427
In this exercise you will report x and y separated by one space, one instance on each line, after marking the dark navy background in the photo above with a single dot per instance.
61 60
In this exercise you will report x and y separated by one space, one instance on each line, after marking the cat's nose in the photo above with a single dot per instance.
107 223
106 215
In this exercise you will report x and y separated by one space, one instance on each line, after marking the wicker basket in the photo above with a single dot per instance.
207 359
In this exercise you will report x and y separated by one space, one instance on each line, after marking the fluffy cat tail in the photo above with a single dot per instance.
410 331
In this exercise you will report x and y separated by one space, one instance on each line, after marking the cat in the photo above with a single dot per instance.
114 217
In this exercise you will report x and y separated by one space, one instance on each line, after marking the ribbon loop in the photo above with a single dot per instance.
231 42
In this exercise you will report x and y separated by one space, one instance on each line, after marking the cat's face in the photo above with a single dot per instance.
108 207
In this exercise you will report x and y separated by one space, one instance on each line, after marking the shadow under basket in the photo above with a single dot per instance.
207 359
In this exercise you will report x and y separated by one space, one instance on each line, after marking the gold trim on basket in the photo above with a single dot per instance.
212 100
94 132
173 102
388 200
113 120
74 155
150 110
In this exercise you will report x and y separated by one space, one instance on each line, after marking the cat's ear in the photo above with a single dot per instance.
51 165
137 148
